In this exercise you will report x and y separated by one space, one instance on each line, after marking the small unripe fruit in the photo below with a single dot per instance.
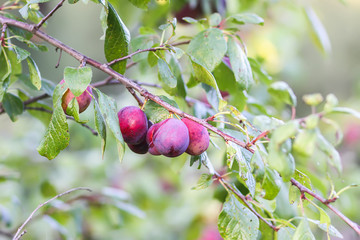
171 139
83 100
199 137
133 124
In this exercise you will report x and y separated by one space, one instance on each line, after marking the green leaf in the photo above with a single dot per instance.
189 20
157 113
166 77
208 48
214 19
346 111
243 18
21 54
13 106
73 110
271 184
294 192
47 86
330 151
24 11
280 158
100 126
117 40
240 65
47 189
303 231
203 75
285 233
237 222
177 71
43 116
73 1
204 182
318 31
141 42
259 72
281 91
77 79
108 109
265 123
331 102
57 135
327 228
5 65
147 31
305 143
233 151
34 72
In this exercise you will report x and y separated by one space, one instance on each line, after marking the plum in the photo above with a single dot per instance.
171 138
83 100
133 124
149 138
140 148
199 137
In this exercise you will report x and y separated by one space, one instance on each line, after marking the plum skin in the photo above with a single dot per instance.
140 148
133 124
83 100
171 139
199 137
149 138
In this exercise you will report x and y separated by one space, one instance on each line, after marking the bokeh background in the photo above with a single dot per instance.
147 197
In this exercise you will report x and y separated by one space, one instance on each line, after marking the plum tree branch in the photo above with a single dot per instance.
49 14
95 133
243 199
154 49
324 201
20 233
134 85
137 52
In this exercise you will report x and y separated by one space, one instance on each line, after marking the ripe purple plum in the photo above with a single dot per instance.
149 138
140 148
199 137
83 100
171 139
133 124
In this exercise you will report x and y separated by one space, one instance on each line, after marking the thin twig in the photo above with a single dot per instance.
94 132
49 14
58 63
304 189
145 50
261 135
140 102
41 109
35 99
243 199
20 233
180 43
136 52
2 37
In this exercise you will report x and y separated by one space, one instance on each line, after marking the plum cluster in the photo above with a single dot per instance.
170 137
